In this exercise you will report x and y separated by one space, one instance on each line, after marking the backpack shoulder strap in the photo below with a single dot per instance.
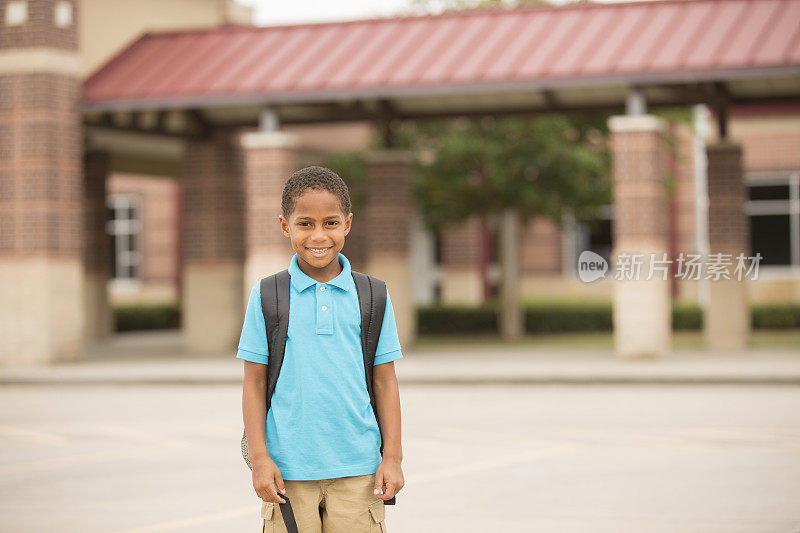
372 302
275 307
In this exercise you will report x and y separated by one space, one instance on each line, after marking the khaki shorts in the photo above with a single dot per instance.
339 505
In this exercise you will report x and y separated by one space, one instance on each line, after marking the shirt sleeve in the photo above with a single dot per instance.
388 343
253 341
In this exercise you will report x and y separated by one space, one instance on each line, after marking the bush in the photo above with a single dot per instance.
562 317
147 316
776 316
456 320
540 317
686 317
567 317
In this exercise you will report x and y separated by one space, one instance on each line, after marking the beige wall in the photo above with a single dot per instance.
107 26
769 141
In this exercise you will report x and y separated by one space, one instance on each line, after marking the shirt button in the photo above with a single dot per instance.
322 288
324 307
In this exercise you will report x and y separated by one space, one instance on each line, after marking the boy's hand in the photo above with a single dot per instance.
388 479
266 479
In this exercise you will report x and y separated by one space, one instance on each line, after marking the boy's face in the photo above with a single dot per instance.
317 223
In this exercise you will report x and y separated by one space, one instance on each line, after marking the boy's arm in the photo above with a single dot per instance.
254 393
387 400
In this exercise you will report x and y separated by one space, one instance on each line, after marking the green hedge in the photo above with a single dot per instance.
540 317
776 316
558 317
144 317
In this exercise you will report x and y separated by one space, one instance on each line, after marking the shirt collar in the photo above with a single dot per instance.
301 281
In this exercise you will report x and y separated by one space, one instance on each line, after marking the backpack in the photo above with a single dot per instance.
275 307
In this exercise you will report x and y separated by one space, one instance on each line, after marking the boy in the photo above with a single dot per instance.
319 442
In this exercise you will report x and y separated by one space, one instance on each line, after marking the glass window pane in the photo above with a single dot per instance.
769 236
131 242
600 238
769 192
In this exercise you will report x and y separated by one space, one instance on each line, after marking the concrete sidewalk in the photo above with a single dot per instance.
157 358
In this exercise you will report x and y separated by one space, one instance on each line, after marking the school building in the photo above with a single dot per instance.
145 145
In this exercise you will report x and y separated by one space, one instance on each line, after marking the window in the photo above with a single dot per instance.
595 235
125 229
774 211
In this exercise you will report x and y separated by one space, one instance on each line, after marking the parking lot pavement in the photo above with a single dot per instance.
555 458
157 357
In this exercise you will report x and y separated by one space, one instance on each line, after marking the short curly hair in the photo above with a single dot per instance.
318 178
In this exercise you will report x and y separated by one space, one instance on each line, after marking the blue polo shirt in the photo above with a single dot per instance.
320 424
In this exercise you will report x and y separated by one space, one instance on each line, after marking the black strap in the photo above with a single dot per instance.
288 515
275 306
372 301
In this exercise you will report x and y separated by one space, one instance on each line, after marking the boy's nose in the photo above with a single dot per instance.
319 234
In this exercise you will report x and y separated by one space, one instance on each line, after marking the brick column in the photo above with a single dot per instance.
726 324
541 258
269 159
213 244
97 252
388 217
41 193
461 270
642 317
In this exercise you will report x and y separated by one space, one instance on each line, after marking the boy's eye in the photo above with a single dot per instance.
329 222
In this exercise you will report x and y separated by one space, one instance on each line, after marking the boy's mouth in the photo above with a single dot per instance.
319 252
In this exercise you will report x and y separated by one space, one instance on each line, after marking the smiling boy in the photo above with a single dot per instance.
319 444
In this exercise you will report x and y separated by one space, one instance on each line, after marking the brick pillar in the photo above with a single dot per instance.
642 317
388 217
541 258
269 159
726 324
98 250
461 270
41 219
684 205
213 244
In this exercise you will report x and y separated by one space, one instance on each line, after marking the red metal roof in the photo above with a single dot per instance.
533 46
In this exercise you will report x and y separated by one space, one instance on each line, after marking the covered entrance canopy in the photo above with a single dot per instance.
719 52
201 86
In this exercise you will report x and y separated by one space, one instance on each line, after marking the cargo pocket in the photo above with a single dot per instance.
378 513
268 514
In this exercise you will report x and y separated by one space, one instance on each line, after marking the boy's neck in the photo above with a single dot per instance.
322 275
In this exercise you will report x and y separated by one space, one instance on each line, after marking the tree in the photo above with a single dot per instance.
508 169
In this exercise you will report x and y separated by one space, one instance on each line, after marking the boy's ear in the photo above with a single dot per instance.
347 222
284 225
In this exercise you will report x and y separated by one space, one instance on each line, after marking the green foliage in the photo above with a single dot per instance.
538 164
456 320
686 316
540 317
147 317
549 318
351 166
776 316
674 114
561 317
